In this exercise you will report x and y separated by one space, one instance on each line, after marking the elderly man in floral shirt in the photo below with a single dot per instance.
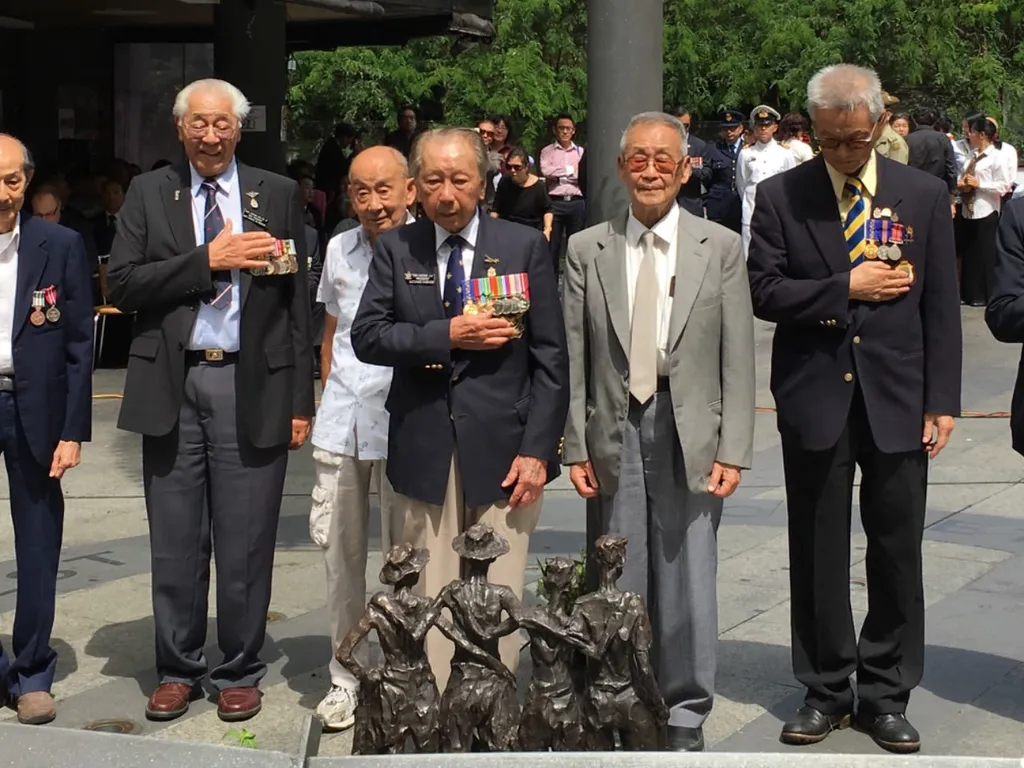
350 436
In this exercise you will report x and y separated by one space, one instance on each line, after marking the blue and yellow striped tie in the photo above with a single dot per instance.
856 218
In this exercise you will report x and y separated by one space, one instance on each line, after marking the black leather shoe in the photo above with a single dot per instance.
811 726
682 739
891 732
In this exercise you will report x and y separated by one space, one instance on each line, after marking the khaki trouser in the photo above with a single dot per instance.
341 496
434 527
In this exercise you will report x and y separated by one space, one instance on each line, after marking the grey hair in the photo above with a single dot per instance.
399 159
654 118
468 135
846 87
239 104
28 164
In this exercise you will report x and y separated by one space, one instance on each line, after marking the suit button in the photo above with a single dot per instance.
180 346
848 377
856 339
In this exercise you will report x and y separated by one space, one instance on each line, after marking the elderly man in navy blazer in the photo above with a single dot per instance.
45 415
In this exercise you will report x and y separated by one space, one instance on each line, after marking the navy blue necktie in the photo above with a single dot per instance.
455 276
213 223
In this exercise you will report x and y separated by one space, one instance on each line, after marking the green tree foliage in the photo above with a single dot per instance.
957 55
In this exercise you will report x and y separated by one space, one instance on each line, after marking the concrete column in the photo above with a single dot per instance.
250 51
624 77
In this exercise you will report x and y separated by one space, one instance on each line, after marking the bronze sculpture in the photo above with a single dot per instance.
480 706
551 715
399 700
621 693
570 704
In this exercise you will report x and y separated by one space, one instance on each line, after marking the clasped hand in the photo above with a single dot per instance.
480 332
874 281
242 251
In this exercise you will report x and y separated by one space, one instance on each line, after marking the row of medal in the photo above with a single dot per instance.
45 299
885 234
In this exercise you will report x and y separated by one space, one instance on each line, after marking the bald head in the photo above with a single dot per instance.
15 175
46 205
380 189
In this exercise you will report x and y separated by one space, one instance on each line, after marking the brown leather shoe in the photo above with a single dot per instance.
36 708
236 704
169 701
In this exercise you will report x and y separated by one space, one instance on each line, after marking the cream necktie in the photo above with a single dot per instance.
643 341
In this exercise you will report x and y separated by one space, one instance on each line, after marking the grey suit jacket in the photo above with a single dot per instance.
711 346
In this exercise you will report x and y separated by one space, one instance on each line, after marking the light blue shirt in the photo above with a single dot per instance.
218 328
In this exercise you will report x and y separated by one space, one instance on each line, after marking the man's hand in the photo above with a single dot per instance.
970 182
874 281
583 478
479 332
937 430
724 479
241 251
67 456
300 432
528 475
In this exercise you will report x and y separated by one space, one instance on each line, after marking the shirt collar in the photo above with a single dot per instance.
362 239
12 238
664 229
227 181
868 176
571 148
468 234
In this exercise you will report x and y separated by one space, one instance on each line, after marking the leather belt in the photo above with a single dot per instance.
200 356
568 198
6 383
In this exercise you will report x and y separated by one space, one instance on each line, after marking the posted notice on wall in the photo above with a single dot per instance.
256 122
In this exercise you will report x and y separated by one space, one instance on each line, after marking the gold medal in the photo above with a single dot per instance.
53 314
492 272
36 318
907 268
871 250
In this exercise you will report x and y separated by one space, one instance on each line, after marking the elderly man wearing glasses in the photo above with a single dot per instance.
661 409
851 255
219 385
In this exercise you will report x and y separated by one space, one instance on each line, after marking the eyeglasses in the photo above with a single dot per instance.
563 128
662 163
486 133
197 129
829 142
515 168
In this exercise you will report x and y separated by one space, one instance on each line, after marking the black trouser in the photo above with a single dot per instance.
570 218
978 238
889 657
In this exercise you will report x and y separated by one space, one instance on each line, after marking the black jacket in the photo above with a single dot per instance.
691 196
719 178
904 354
1005 313
159 273
492 405
932 152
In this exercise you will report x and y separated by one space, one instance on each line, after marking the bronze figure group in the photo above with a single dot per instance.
591 675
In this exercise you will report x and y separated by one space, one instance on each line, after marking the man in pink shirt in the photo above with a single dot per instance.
560 166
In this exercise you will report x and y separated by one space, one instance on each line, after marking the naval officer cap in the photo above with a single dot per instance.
732 118
764 115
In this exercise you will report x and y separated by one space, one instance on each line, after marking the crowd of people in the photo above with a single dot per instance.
636 373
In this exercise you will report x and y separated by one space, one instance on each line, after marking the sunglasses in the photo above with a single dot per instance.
515 167
662 163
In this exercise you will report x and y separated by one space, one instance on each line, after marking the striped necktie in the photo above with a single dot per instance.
455 276
213 223
856 218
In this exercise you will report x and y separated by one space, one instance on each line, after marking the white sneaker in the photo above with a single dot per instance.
337 711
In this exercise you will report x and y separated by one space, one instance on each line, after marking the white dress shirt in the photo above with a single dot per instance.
1009 154
666 237
994 181
351 420
218 328
444 250
8 289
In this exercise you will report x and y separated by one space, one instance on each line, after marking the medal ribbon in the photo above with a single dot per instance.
51 296
37 300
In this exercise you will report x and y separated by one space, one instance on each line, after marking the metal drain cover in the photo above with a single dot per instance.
117 725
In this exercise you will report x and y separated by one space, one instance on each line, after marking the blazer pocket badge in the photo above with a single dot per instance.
281 261
421 278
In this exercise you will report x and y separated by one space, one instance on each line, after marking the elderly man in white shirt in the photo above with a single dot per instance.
350 437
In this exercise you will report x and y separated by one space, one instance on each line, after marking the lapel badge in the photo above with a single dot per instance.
252 199
492 272
490 260
177 195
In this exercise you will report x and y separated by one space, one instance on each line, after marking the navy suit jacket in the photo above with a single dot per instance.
493 405
719 178
904 354
53 361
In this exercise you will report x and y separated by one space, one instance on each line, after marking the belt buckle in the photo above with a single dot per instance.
568 198
213 355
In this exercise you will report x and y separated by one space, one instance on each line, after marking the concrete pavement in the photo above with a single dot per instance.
970 703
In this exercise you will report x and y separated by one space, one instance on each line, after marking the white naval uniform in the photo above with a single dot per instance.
757 163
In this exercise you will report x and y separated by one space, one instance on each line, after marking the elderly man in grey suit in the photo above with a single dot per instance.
661 417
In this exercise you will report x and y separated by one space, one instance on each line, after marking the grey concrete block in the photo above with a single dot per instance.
32 747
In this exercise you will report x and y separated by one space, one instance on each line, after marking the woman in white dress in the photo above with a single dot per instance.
791 129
